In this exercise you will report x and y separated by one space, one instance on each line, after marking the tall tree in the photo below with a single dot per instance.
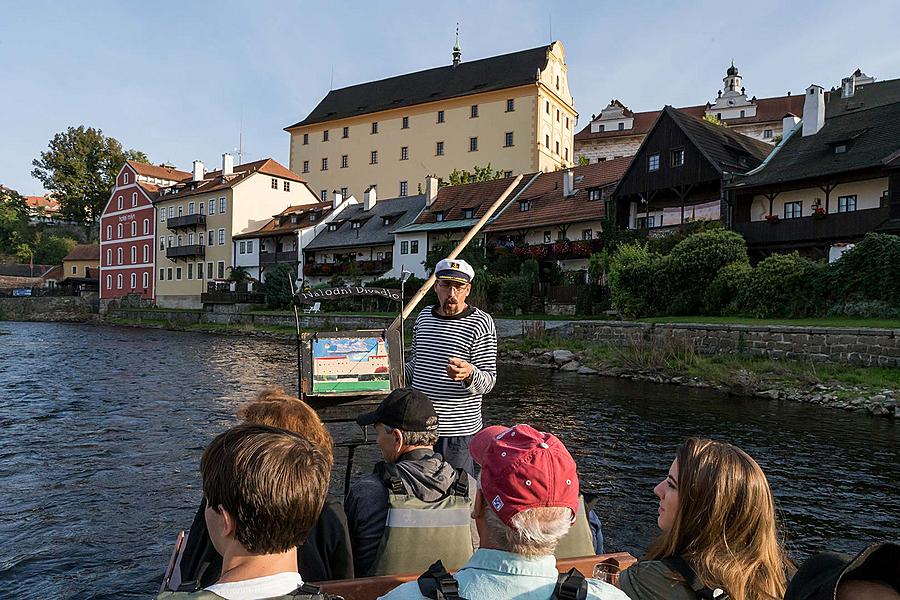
14 226
80 166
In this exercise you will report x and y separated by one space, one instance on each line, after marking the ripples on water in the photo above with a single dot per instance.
103 430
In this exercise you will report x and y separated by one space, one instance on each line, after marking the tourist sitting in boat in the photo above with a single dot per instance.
873 574
717 517
526 502
385 510
326 553
264 488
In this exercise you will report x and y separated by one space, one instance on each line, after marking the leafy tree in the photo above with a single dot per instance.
80 166
238 274
45 250
278 286
462 177
474 255
714 120
14 226
583 161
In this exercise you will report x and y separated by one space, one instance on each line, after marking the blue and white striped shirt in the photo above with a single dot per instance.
470 336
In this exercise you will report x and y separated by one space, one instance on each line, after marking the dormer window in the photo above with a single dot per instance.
524 206
468 213
312 217
386 221
355 224
594 194
293 218
840 148
439 216
332 227
601 128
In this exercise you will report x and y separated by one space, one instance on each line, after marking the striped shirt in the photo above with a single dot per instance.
470 336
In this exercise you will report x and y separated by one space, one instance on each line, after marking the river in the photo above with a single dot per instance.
102 430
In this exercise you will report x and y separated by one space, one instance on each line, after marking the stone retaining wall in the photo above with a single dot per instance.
870 347
48 308
193 317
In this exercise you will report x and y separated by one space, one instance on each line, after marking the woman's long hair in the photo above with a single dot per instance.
725 526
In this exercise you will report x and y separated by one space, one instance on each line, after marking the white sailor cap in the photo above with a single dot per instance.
454 270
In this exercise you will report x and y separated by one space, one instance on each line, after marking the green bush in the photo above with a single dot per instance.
864 309
782 286
277 286
694 263
634 281
721 295
531 269
515 293
869 271
664 244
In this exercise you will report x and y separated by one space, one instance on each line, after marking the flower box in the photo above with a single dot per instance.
773 218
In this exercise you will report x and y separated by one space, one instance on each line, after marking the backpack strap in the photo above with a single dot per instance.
390 475
570 586
461 485
307 591
676 563
437 584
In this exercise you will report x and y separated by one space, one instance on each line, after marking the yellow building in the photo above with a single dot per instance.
83 262
513 111
197 218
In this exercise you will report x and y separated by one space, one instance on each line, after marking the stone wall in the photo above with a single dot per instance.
265 319
870 347
48 308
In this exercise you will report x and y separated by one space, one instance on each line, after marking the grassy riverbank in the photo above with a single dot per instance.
873 389
221 328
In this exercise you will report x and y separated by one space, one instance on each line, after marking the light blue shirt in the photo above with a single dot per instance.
498 575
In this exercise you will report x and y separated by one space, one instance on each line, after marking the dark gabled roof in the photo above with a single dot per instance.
84 252
869 122
302 211
452 200
548 206
431 85
20 270
372 231
726 150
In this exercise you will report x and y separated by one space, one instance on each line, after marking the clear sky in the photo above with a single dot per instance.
177 79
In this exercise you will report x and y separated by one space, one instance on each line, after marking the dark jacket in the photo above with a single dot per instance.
325 555
424 473
653 580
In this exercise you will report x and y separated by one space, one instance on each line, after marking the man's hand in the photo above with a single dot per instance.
459 370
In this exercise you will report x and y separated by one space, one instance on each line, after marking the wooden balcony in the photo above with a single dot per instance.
273 258
186 222
189 251
356 267
806 231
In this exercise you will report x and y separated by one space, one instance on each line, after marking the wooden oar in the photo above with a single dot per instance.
411 305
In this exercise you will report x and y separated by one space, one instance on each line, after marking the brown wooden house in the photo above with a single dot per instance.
677 175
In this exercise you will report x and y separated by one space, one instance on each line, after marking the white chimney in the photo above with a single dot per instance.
848 87
568 182
370 198
431 189
227 165
338 198
787 123
198 170
813 110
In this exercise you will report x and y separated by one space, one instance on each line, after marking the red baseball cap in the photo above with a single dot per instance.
524 468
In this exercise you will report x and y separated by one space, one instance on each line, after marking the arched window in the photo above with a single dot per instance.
109 256
133 280
124 178
119 203
133 254
119 257
109 232
133 228
145 280
109 282
146 253
119 230
133 202
146 226
119 281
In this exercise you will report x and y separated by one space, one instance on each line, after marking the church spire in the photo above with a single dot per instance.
457 53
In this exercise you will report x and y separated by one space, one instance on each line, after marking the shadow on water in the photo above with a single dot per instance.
103 429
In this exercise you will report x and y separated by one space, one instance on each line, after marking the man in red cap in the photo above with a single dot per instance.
526 502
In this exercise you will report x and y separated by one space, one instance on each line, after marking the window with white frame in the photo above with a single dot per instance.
146 253
404 247
548 237
594 194
473 111
212 207
439 149
191 207
171 212
190 270
190 238
508 139
162 274
180 210
468 213
323 195
306 166
678 157
344 193
125 178
510 104
133 280
162 243
414 247
587 234
768 134
145 280
249 246
375 127
119 259
119 203
345 161
793 210
286 186
133 254
221 237
404 188
109 282
324 164
201 240
146 226
209 270
220 270
404 153
473 144
133 199
373 157
199 270
119 281
524 206
162 215
846 203
653 162
222 205
242 248
133 228
177 273
119 230
440 116
404 123
109 256
109 232
211 237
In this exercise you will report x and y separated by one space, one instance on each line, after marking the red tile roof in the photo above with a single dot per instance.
272 228
160 172
213 180
767 109
549 207
453 199
84 252
46 204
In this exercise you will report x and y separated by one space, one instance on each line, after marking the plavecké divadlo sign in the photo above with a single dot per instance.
330 293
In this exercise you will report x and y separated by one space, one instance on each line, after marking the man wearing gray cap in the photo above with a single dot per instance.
454 360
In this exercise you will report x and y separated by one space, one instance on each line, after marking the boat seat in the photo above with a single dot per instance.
370 588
